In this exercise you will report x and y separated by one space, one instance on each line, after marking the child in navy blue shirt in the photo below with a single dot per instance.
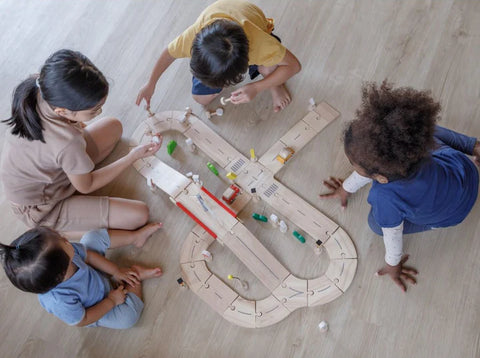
421 176
70 277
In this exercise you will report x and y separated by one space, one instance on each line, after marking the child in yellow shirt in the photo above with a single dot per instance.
229 38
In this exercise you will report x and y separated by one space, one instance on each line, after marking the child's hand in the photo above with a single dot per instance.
145 150
127 275
399 273
476 153
335 184
118 295
146 93
244 94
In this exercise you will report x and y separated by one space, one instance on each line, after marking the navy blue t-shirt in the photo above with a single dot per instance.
441 193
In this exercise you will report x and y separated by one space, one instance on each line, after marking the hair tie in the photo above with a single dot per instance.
37 83
17 246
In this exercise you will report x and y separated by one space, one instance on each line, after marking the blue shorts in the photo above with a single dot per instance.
122 316
199 89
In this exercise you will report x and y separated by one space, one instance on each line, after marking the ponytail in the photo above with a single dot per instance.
25 121
68 79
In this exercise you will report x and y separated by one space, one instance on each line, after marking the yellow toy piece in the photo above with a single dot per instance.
285 154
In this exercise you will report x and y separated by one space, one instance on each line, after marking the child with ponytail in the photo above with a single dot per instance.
50 153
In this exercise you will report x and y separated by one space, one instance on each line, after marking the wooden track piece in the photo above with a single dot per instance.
297 210
255 256
269 311
241 312
340 246
193 246
269 158
217 294
341 272
240 202
298 136
195 274
321 116
321 290
218 220
292 292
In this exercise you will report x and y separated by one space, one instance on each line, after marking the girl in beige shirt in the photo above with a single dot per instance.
50 154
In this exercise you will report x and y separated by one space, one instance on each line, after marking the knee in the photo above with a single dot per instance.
115 128
129 319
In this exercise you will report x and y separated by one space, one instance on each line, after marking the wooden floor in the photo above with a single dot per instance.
426 44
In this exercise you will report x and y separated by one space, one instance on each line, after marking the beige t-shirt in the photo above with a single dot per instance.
35 173
264 49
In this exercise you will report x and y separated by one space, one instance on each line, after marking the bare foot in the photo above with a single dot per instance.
145 273
280 97
145 232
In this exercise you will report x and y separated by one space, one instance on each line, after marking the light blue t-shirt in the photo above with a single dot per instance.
69 300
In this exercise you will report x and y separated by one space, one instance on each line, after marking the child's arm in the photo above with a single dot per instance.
288 67
343 189
93 314
101 263
89 182
163 62
393 240
458 141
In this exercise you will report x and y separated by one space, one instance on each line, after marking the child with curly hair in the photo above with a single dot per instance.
70 279
229 38
420 173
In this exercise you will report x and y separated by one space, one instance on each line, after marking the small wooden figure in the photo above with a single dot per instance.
259 217
285 154
188 112
157 139
299 236
171 147
253 158
191 147
181 282
225 100
231 175
218 112
254 194
274 220
283 227
323 326
207 255
230 194
212 168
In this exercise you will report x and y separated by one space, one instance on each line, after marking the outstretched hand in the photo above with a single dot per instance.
146 93
400 273
335 184
146 150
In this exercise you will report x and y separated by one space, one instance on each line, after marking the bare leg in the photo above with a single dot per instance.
280 96
102 136
144 273
138 237
205 99
127 214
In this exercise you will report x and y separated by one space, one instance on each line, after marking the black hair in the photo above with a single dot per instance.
68 79
34 262
220 54
392 133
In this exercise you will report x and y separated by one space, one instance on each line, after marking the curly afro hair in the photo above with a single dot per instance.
393 130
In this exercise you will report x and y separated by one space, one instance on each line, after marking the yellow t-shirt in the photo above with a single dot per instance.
264 49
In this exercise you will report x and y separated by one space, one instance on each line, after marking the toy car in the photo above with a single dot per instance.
230 194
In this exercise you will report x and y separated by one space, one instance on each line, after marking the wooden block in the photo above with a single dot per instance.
340 246
217 294
321 290
241 312
217 219
269 311
298 136
292 293
212 144
194 245
297 210
255 256
341 272
195 274
269 158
